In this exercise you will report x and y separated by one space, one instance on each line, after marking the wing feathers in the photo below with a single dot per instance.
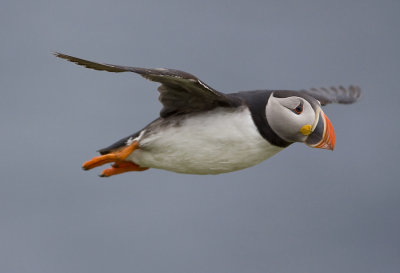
92 65
335 94
180 92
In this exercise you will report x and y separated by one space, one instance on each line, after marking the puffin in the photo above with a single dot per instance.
203 131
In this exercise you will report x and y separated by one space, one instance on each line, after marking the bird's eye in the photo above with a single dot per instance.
299 109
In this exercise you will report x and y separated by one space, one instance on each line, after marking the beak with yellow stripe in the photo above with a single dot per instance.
322 135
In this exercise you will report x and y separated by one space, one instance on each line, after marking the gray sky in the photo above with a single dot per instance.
304 210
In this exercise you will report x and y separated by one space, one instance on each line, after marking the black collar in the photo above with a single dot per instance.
256 101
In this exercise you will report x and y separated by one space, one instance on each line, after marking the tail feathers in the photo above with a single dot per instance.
118 145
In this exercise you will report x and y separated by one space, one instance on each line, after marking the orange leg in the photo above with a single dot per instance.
111 157
122 167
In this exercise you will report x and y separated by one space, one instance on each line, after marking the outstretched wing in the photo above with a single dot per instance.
335 95
180 92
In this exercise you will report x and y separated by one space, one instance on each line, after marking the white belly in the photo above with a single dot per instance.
208 143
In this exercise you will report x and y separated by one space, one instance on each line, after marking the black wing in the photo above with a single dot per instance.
335 95
180 92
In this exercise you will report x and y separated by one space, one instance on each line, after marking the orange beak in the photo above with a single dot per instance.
323 136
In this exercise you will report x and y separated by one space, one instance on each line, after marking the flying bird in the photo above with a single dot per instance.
203 131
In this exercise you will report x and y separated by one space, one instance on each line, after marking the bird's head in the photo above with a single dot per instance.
299 118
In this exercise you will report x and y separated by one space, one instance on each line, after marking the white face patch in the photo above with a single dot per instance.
290 102
285 121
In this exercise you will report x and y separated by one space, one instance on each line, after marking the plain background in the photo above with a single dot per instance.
304 210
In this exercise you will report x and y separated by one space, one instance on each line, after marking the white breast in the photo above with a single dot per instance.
206 143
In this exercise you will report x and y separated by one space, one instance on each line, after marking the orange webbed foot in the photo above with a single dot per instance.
122 167
116 156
